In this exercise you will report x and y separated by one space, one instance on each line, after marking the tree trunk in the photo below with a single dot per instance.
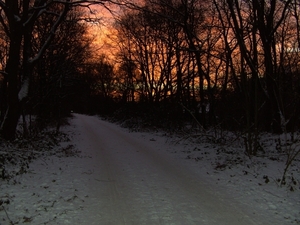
12 114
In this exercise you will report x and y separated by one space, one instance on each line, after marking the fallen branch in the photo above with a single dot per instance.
10 221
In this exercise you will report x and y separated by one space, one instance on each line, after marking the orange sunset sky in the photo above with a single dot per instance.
102 31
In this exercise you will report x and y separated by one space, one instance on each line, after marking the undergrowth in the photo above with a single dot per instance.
173 121
16 156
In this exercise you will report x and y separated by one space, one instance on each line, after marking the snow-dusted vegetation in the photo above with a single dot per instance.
46 180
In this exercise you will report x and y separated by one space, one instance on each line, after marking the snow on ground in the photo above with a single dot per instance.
254 181
47 195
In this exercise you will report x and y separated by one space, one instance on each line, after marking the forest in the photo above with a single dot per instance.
226 64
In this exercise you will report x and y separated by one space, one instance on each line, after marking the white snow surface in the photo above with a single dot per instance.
123 177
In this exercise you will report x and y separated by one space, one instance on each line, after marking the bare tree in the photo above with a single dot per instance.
258 28
142 38
18 19
50 93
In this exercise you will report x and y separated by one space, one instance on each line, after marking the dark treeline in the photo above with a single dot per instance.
234 64
225 63
44 47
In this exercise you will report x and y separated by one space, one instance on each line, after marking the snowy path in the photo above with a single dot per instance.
123 178
134 182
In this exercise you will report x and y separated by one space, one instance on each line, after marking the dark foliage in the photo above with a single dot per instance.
162 116
16 156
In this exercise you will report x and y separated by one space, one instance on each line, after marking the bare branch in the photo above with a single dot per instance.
51 35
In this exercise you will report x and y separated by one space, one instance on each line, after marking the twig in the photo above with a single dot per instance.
198 123
11 222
